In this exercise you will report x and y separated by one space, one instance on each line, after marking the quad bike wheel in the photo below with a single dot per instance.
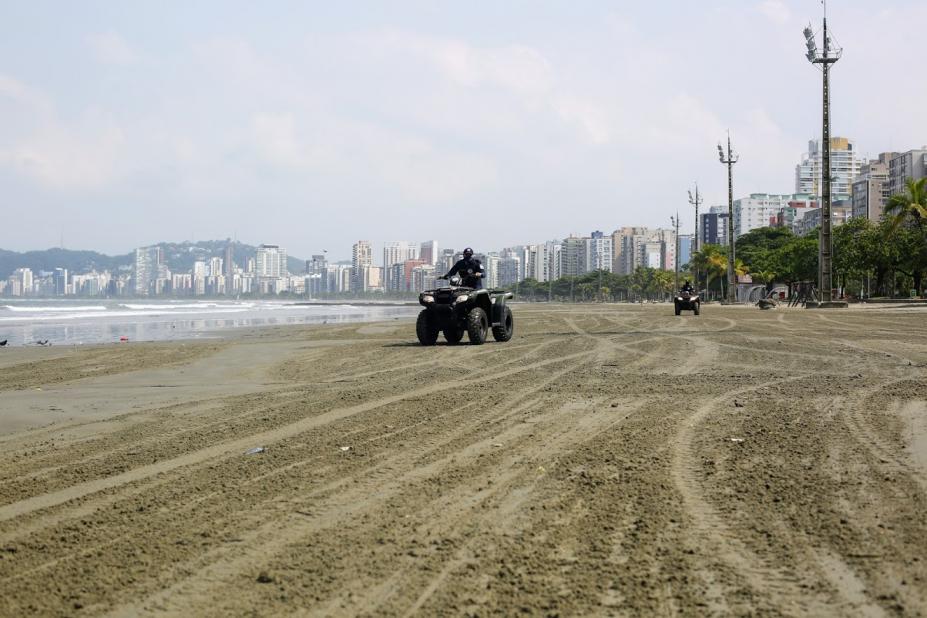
453 335
477 326
505 330
697 308
678 310
425 328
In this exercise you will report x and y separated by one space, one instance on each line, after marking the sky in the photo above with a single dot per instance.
485 123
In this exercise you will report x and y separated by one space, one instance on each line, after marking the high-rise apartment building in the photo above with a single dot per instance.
317 280
622 242
795 209
423 278
844 168
510 269
686 244
396 252
600 251
270 262
554 260
446 261
20 282
906 165
369 279
428 252
229 262
758 210
147 267
60 279
639 245
536 264
214 267
573 256
713 228
362 257
871 189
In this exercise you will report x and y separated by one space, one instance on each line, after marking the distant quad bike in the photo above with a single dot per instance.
687 301
458 309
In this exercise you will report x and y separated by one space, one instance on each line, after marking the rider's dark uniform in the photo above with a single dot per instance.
467 268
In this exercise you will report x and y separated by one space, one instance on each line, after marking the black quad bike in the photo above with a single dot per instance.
458 309
687 301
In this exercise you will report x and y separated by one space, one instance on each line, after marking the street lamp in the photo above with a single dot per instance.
695 202
675 222
730 158
830 54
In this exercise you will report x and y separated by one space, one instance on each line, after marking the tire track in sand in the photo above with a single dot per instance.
260 545
235 446
715 538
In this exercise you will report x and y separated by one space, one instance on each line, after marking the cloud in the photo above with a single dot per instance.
592 119
514 67
776 11
62 159
19 92
111 48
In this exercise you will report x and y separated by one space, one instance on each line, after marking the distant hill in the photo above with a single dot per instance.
50 259
179 257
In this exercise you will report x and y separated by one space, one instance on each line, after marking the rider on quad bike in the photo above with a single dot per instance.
687 300
469 269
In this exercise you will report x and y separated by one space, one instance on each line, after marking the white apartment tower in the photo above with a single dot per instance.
396 252
147 266
362 257
844 168
600 252
758 210
270 262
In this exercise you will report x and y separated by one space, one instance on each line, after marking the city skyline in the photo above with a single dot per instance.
170 125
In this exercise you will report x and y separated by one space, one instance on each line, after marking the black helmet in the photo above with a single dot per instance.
468 252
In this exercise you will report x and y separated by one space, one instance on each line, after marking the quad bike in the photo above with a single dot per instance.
457 309
687 301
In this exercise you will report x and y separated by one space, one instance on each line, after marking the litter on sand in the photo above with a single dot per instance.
255 450
345 448
737 439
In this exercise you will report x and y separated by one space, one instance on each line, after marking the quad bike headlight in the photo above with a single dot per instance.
428 298
462 299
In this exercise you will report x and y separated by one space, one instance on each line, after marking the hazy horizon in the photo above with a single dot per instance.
312 126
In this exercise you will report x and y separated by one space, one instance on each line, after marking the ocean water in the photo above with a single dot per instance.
74 322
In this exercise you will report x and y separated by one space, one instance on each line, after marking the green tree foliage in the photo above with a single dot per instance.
906 216
759 248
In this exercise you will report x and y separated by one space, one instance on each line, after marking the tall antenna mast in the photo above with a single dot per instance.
729 158
830 55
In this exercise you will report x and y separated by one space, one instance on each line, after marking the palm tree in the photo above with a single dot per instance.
910 208
912 204
663 283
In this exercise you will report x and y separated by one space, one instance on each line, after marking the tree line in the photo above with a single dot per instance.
884 258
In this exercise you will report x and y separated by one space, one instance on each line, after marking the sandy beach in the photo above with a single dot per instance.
610 460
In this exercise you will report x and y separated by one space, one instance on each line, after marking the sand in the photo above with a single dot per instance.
609 460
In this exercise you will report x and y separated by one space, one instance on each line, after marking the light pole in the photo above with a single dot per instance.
829 56
730 158
675 222
695 202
